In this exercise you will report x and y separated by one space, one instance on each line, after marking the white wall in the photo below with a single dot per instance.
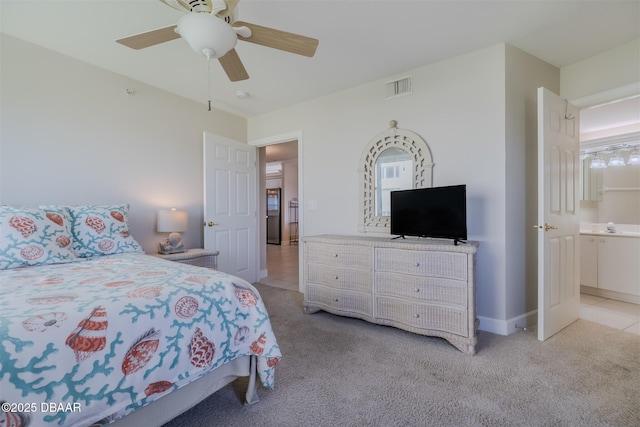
457 106
525 74
605 72
289 192
477 112
71 135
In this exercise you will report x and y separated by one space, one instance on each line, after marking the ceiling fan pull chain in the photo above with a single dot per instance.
209 78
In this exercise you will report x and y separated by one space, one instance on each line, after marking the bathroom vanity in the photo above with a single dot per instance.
610 264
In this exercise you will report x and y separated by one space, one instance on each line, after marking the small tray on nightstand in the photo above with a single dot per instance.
199 257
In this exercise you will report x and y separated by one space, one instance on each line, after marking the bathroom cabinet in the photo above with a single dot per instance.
589 261
610 263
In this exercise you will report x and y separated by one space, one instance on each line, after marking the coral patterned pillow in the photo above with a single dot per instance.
33 236
102 230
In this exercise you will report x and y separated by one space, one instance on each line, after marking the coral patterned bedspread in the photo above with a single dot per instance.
90 341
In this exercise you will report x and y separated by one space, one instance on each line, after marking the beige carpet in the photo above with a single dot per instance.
338 371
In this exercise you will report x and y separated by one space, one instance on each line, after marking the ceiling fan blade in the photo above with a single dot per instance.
278 39
232 65
231 5
150 38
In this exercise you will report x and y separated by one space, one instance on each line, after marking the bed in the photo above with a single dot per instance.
101 332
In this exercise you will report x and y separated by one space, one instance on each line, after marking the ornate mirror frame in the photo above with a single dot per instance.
422 172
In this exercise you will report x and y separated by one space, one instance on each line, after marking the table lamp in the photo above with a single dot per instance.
174 222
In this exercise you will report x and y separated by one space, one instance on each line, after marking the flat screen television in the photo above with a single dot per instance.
438 212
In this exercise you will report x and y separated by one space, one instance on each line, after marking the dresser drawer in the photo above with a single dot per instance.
423 316
450 265
337 300
338 255
422 289
339 277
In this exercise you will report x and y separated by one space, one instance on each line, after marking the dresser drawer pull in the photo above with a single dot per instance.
335 277
417 264
335 255
417 289
335 300
417 316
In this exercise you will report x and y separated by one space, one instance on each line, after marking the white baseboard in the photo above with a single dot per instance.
604 293
263 273
508 327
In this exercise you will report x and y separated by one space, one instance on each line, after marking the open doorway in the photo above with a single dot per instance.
610 194
279 176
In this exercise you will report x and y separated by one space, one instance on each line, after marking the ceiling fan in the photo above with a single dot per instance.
210 27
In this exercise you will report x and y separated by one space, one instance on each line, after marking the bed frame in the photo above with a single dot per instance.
178 401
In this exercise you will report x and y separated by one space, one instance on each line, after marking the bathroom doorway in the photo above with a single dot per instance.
611 194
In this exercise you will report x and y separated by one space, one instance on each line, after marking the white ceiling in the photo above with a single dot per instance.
360 40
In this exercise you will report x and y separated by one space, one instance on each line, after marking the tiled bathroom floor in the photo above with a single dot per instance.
282 267
615 314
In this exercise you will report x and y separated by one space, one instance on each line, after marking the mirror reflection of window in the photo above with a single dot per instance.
394 171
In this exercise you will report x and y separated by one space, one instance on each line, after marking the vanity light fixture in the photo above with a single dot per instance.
634 158
597 162
616 159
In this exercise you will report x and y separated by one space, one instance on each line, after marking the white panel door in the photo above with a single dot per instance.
558 214
230 216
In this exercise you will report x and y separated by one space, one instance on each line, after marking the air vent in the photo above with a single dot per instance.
397 88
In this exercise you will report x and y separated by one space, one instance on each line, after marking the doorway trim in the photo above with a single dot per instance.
279 139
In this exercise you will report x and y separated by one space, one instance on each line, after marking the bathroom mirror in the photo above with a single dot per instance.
395 159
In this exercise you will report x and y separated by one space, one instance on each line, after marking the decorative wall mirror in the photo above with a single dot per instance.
395 159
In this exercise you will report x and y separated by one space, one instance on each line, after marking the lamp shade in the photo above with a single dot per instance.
172 221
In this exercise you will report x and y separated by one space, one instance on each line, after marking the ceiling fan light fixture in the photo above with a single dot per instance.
207 34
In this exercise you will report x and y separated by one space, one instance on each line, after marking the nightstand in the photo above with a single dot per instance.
198 257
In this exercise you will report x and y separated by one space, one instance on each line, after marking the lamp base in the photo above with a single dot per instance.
173 245
172 251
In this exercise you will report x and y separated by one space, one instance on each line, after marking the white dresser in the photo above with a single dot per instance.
419 285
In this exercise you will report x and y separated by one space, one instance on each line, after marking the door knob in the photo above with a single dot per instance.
210 224
546 227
